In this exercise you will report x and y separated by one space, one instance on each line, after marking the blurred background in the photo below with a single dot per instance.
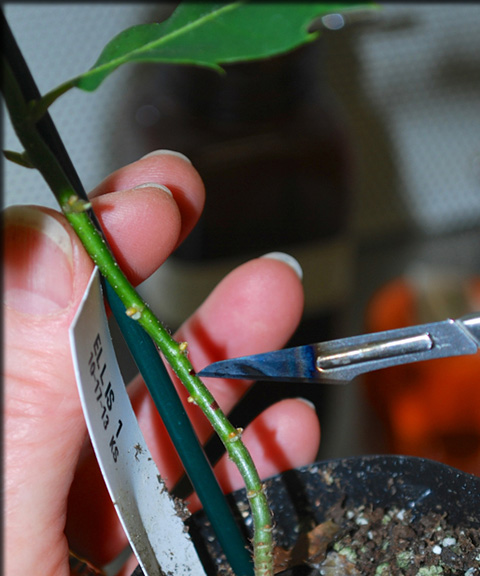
358 154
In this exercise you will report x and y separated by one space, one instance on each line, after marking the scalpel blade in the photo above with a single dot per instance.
289 365
340 361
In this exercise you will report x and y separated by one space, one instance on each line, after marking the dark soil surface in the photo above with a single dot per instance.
386 542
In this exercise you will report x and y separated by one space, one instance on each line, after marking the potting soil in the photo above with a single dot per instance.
368 541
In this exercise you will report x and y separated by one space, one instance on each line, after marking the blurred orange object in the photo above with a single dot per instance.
429 409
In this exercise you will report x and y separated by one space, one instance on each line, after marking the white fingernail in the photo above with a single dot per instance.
166 153
307 402
154 185
287 259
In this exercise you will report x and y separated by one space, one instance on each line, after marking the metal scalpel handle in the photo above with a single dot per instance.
471 322
361 354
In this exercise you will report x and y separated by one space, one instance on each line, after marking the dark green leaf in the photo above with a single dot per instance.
211 34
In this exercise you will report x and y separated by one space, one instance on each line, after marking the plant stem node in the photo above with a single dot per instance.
76 204
236 435
134 312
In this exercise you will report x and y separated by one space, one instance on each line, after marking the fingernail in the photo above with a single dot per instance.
307 402
167 153
38 262
154 185
287 259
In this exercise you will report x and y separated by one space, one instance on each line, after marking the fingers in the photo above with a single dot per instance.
126 216
45 274
43 419
147 208
255 308
170 169
284 436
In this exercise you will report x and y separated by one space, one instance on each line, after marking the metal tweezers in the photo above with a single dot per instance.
340 361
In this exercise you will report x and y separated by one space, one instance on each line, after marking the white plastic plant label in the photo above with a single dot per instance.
148 513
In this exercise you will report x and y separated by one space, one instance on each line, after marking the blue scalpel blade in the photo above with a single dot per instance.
339 361
289 365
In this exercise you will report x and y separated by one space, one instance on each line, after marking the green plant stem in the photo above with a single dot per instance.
74 209
176 355
180 430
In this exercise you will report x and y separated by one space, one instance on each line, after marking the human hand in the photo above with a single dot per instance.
55 498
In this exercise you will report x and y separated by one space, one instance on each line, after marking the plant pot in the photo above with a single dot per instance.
300 499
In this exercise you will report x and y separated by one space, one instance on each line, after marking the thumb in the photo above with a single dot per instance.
45 275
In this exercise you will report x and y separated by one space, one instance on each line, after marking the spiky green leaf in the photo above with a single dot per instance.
211 34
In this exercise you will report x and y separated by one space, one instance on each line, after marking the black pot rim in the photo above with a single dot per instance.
302 496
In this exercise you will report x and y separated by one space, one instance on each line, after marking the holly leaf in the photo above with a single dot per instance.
210 34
